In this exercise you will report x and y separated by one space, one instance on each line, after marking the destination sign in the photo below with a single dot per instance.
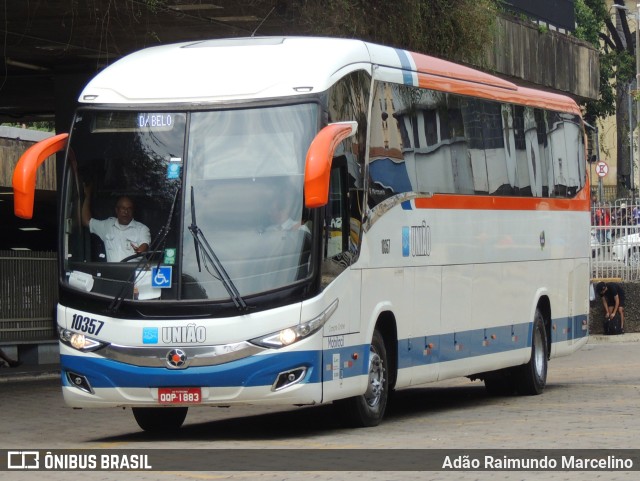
136 121
164 120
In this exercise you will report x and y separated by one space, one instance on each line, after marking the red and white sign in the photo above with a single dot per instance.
602 169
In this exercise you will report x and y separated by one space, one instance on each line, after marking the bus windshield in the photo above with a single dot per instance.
187 205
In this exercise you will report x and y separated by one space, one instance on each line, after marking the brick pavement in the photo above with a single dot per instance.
590 403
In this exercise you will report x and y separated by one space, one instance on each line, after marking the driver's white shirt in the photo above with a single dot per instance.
117 238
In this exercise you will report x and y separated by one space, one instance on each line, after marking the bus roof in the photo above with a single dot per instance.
223 70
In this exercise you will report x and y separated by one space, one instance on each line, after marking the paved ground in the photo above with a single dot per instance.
591 402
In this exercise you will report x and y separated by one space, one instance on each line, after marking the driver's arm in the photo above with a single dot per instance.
144 239
86 206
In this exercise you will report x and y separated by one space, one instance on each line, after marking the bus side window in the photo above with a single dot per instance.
336 222
336 225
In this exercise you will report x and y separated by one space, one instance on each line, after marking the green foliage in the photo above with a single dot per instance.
605 105
625 67
590 20
155 5
452 29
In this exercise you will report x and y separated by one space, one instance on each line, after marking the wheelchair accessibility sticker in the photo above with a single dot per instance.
161 277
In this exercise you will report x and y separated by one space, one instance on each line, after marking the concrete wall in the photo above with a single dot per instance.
527 54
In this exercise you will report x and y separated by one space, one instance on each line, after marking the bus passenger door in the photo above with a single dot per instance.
339 246
342 332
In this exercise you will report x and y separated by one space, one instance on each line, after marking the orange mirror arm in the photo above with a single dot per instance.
24 175
319 159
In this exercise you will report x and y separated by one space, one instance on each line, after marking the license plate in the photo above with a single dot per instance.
179 395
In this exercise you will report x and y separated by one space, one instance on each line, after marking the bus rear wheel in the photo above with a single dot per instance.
532 377
160 419
367 410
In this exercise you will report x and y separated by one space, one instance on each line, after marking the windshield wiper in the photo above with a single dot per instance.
196 246
200 242
160 240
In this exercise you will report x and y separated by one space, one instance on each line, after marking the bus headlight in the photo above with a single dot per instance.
293 334
79 341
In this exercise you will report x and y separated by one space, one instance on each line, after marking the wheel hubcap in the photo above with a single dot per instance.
539 354
376 380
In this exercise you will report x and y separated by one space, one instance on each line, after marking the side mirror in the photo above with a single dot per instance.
319 158
24 175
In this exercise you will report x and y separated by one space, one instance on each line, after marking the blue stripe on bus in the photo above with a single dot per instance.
406 205
407 77
353 360
425 350
251 371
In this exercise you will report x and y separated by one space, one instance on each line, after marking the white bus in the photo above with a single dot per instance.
329 220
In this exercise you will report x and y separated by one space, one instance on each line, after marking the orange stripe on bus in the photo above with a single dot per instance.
486 202
443 68
438 74
526 97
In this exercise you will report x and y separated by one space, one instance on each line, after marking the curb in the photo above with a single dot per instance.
602 339
21 376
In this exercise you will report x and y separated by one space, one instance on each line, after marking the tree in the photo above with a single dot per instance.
455 30
617 70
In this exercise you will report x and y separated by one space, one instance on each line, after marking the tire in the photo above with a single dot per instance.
532 378
156 420
367 410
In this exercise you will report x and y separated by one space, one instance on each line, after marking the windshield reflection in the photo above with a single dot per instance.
247 181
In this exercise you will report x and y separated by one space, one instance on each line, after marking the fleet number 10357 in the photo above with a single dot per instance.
86 324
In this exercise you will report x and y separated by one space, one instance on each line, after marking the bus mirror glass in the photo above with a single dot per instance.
318 163
24 175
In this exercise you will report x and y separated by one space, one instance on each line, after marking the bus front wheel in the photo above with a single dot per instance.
368 409
160 419
532 377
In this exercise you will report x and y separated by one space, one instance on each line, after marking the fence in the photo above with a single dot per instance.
28 295
615 240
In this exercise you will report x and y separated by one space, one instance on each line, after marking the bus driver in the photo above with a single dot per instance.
122 235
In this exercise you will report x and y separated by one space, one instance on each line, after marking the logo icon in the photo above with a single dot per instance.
173 171
406 242
150 335
169 256
161 277
176 359
23 460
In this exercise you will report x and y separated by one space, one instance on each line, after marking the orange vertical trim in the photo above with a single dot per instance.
318 163
24 175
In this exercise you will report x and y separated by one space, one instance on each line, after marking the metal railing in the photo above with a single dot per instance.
615 240
28 295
